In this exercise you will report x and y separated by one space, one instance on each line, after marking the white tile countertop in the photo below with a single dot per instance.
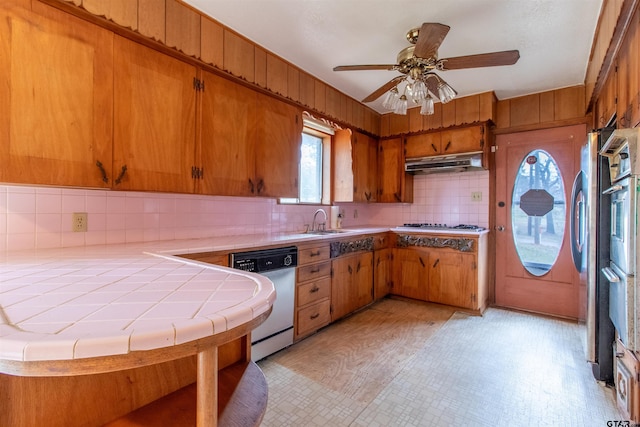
92 301
107 300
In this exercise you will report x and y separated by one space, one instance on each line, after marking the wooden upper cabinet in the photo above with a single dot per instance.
227 138
355 167
56 98
365 167
279 135
463 140
154 107
423 145
394 185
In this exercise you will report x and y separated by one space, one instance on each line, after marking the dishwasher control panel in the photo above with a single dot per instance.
265 260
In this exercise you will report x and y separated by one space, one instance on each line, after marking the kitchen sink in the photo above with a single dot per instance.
322 232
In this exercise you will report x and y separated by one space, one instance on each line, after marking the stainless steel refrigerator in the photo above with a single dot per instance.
590 227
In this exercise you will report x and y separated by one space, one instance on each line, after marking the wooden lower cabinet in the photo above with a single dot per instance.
351 284
452 278
444 275
382 283
411 274
313 289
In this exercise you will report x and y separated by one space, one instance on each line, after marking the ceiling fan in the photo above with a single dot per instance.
417 62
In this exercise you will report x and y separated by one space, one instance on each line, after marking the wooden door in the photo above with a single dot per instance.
411 276
154 132
452 278
227 138
382 273
365 161
394 185
279 137
56 99
529 287
463 140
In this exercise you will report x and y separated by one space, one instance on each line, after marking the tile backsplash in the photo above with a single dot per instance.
40 217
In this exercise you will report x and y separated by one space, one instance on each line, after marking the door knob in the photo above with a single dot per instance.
500 228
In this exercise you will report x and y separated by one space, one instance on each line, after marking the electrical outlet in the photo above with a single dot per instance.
79 221
476 196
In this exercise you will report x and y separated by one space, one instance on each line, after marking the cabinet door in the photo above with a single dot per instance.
365 161
154 132
277 148
363 280
426 144
395 186
452 278
411 276
56 99
462 140
382 273
352 283
227 138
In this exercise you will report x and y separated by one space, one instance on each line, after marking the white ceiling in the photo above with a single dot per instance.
553 36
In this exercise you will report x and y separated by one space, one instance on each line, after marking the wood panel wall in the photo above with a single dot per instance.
460 111
180 27
553 108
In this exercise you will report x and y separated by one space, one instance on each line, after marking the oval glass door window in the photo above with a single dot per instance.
538 212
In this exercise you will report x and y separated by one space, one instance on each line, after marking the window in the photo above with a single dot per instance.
310 169
315 165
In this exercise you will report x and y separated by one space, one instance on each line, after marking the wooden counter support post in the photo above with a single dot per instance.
207 391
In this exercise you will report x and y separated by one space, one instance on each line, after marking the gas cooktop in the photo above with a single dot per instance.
429 226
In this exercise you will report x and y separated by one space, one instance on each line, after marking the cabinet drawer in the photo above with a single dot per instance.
313 317
381 241
313 254
313 291
313 271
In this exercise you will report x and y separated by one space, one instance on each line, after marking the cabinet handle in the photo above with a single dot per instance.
317 253
251 186
123 171
435 150
350 269
447 147
358 267
102 171
314 289
421 261
436 263
397 196
260 186
367 196
314 316
315 270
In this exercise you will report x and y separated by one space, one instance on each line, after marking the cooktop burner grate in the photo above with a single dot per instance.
431 226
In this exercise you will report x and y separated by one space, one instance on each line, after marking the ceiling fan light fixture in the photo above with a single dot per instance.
401 106
445 92
419 91
391 99
427 107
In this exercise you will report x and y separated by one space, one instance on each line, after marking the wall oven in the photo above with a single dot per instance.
621 151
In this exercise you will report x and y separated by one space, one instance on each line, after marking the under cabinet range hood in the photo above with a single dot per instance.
451 163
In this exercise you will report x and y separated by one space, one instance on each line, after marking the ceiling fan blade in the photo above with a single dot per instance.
506 57
382 89
364 67
429 39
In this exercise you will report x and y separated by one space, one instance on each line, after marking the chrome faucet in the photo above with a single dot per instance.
324 224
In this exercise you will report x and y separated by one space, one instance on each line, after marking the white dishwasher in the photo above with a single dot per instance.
278 265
